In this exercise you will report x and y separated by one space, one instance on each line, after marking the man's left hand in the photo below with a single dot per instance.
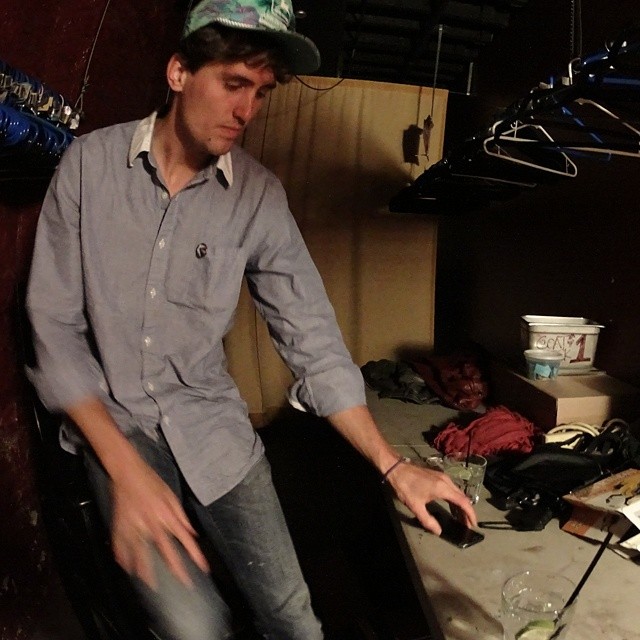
416 486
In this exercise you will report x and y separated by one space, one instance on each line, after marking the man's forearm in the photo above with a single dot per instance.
358 427
107 441
144 509
414 485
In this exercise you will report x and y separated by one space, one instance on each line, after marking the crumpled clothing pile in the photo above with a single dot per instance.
397 380
455 378
497 431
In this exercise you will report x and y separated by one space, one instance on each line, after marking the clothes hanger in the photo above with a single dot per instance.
470 160
521 144
582 127
580 114
613 136
35 122
612 74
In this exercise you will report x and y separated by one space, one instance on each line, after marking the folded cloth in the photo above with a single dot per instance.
496 431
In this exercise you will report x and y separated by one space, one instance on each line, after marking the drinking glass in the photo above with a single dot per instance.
533 606
467 471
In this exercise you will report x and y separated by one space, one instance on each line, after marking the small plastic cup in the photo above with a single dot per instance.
542 364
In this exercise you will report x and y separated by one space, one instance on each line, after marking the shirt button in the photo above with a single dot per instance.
152 292
201 250
165 195
147 341
150 386
161 243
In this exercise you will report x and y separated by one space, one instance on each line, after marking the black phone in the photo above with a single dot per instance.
453 530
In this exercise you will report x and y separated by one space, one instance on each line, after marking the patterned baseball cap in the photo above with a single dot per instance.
274 17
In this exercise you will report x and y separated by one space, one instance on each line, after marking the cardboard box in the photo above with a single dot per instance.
612 504
592 398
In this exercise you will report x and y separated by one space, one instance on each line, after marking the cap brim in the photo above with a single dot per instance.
301 54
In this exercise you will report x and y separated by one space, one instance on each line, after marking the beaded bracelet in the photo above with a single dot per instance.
393 466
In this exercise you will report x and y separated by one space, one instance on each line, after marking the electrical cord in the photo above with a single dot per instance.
569 435
333 86
79 104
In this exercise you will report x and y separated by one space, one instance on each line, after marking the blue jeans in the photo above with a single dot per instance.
248 530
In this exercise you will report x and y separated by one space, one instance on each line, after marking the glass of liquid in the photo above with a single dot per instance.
467 471
533 606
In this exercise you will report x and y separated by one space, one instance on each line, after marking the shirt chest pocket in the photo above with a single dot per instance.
207 278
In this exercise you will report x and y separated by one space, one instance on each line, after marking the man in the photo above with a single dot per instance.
145 235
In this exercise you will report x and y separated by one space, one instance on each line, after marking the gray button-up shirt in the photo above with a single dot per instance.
131 292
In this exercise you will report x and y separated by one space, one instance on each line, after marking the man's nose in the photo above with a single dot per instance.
245 108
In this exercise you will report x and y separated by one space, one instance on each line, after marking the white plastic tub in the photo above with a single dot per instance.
575 338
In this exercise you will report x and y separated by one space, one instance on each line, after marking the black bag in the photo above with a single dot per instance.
531 486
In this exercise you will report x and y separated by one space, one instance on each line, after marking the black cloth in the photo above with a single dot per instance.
397 380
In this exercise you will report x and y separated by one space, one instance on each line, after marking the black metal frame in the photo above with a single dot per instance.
100 593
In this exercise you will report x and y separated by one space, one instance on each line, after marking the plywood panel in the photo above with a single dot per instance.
338 149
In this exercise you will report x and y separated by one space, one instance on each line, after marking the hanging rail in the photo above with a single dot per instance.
35 123
590 112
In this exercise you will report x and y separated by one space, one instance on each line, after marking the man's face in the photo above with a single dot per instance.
214 105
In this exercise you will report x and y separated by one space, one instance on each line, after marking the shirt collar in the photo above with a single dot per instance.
141 142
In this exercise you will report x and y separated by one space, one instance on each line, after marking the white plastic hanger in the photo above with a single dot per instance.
515 139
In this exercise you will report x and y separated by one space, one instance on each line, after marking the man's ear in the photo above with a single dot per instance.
176 73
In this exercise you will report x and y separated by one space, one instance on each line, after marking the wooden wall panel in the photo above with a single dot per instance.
338 151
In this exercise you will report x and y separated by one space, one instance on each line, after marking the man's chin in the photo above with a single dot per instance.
222 147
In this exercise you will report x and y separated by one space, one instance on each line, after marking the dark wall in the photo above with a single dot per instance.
570 248
51 41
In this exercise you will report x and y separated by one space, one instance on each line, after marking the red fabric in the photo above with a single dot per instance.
456 379
496 431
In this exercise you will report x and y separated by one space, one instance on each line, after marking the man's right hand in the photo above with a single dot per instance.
146 512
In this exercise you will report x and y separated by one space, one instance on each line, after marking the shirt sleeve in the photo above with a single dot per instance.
289 294
66 370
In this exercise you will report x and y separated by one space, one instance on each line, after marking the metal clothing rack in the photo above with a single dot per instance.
592 111
36 124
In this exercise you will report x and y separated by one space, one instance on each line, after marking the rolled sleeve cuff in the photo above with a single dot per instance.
329 392
65 389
